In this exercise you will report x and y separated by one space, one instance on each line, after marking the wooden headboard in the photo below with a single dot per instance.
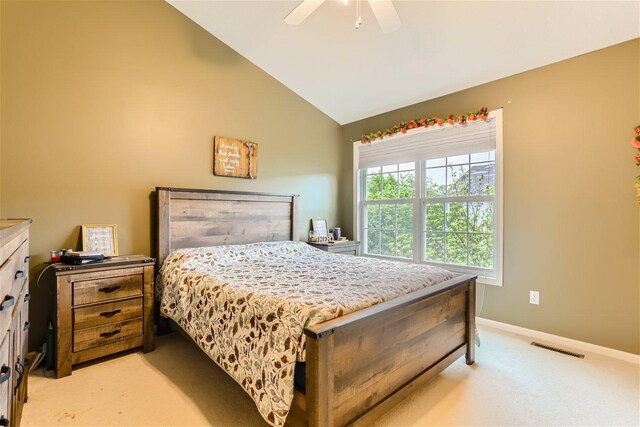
189 218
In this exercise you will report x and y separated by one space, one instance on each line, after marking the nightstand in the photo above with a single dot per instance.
102 308
350 247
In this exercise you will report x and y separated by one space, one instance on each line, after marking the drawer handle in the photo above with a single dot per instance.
109 289
19 275
110 313
110 334
4 421
27 325
5 373
27 259
27 297
8 302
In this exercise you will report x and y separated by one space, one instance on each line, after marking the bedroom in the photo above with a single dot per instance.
104 101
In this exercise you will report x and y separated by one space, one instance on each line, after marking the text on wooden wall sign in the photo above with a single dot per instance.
235 158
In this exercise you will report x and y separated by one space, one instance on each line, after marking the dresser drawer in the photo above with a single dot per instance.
106 289
20 284
10 272
13 279
110 312
25 324
6 375
7 273
14 284
8 302
9 247
105 334
23 257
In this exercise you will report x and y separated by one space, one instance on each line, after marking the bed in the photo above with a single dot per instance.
357 365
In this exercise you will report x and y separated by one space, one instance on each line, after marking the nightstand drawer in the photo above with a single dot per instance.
106 289
348 250
351 247
101 335
110 312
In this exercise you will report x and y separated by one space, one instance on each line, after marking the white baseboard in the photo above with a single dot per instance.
555 339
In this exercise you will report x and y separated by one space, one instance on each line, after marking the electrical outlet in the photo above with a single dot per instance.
534 297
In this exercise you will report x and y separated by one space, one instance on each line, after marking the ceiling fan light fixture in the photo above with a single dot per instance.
383 10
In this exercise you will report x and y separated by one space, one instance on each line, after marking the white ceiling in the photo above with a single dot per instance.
442 46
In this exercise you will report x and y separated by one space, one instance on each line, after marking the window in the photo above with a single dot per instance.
442 207
391 194
459 206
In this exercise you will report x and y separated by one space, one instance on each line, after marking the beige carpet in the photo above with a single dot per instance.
512 383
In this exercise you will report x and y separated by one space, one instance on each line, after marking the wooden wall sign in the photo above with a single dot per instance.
236 158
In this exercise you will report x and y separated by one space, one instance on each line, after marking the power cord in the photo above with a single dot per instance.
478 343
484 288
20 371
44 371
40 276
43 362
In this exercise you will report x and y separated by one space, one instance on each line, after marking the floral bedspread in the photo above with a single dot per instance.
246 306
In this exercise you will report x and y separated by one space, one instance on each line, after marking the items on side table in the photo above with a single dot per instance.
102 308
320 233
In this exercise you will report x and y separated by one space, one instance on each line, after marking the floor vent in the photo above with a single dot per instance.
559 350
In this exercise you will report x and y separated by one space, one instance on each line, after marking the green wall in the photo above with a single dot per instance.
104 101
570 217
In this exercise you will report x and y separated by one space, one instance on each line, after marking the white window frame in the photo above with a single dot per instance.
415 201
419 205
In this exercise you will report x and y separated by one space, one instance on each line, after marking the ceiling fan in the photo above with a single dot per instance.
383 10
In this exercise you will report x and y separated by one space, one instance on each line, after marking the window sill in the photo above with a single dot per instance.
388 258
482 280
489 281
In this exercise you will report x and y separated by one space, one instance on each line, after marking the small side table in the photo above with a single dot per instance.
349 247
102 308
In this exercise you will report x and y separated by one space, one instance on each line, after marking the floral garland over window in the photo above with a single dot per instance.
635 143
403 127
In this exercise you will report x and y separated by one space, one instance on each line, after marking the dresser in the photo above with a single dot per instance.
350 247
101 309
14 318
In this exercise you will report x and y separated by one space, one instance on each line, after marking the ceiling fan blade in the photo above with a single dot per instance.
302 11
386 15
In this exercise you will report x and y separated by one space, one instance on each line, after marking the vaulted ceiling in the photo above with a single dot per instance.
441 47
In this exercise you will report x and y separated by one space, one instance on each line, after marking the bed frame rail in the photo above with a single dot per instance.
361 364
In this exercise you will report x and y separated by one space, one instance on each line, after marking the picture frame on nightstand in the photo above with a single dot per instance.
101 238
320 227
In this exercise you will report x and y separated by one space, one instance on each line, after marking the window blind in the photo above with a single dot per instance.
429 143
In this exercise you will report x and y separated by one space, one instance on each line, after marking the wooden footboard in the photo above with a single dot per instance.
360 365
